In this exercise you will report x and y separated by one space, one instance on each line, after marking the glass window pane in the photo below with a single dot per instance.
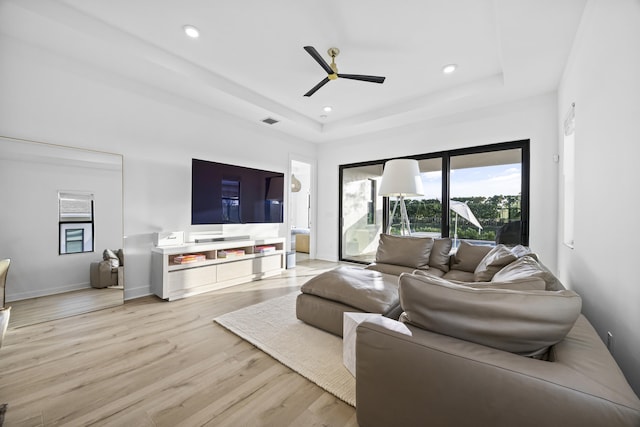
75 219
485 197
361 212
74 238
424 212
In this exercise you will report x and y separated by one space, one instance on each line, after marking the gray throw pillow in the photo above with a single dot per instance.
527 266
521 322
493 262
109 255
120 254
468 256
439 257
404 250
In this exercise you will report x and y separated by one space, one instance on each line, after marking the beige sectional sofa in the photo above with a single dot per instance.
531 359
485 337
324 299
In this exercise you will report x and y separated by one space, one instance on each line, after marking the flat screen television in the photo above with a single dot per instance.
230 194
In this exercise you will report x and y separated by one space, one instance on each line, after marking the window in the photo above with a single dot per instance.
491 182
73 240
485 197
360 210
75 222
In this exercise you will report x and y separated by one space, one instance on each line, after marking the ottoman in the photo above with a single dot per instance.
325 298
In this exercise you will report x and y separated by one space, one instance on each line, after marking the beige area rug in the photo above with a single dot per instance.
272 326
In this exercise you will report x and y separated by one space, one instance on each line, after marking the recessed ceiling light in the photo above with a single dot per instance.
327 109
450 68
191 31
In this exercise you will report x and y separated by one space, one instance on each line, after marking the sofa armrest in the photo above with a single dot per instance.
100 274
409 376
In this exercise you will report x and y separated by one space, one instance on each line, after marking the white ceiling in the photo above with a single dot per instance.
250 62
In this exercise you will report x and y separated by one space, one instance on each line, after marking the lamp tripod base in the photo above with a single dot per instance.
405 228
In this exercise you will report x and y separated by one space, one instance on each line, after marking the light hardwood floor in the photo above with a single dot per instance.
42 309
156 363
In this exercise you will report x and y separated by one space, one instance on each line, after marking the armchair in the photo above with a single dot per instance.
109 271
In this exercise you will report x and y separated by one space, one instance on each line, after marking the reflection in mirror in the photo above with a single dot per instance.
75 216
62 208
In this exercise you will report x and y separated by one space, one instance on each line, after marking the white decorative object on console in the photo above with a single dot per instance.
169 238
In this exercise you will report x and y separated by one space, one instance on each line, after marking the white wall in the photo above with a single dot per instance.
533 118
602 78
57 100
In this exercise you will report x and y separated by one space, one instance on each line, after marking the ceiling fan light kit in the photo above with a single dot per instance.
332 70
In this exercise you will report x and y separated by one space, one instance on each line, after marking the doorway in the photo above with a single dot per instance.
300 209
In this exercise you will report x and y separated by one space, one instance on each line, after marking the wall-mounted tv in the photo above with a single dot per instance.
230 194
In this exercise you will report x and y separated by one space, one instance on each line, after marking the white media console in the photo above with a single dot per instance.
191 269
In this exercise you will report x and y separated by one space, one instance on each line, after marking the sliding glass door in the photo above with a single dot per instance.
361 211
486 197
478 194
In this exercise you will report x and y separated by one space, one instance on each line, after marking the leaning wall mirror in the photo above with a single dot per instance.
61 210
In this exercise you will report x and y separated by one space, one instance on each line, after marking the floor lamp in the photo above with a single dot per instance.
400 179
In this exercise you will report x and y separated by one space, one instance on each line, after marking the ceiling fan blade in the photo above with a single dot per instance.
314 53
372 79
318 86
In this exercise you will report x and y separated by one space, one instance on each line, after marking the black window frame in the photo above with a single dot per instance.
523 145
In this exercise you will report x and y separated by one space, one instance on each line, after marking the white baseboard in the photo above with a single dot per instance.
18 296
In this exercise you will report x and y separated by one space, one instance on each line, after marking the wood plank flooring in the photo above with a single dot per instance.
42 309
156 363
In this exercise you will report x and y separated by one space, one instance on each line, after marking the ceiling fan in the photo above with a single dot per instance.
332 70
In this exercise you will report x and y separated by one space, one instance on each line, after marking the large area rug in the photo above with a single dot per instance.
272 326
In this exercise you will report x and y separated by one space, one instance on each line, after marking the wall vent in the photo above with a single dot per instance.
270 121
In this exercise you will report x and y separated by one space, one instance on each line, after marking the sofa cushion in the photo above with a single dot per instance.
366 290
396 270
120 255
404 250
522 284
109 255
434 272
492 262
521 322
459 275
520 251
468 256
527 266
439 257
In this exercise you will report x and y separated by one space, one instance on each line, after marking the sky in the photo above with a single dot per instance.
484 181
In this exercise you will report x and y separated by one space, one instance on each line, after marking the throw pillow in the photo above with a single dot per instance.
439 257
522 322
493 262
520 251
527 266
120 254
404 250
109 255
468 256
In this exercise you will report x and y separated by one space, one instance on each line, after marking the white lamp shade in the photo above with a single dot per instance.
401 177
